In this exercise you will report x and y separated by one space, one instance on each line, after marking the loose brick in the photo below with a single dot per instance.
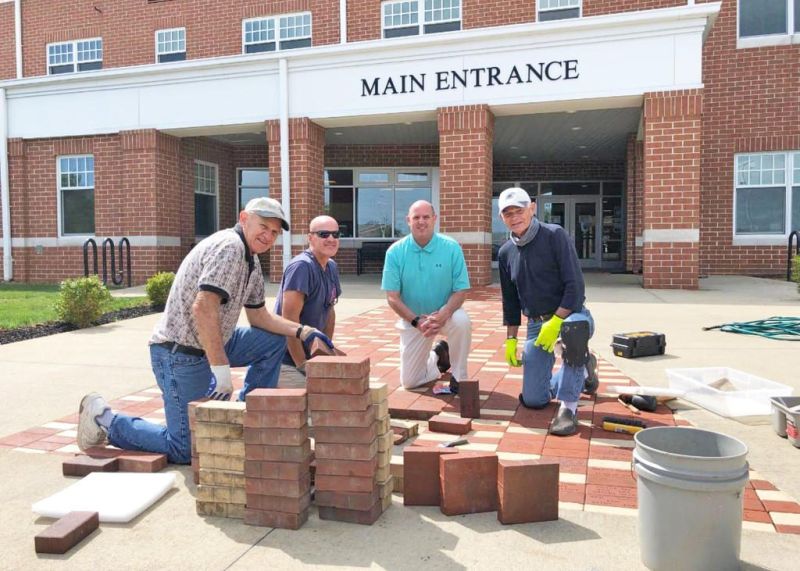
450 424
82 465
278 453
220 447
275 419
411 426
349 403
67 532
346 451
468 483
399 438
279 503
421 484
363 517
280 520
469 398
319 348
220 509
338 367
288 400
276 436
221 478
345 483
217 462
218 430
334 386
527 491
288 488
363 468
349 501
378 392
346 435
277 470
341 418
130 460
223 494
226 412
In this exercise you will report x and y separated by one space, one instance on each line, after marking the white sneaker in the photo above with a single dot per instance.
89 432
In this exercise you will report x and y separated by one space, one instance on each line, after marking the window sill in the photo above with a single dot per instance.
762 240
763 41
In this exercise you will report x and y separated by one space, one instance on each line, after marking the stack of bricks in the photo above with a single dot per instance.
278 458
217 438
353 440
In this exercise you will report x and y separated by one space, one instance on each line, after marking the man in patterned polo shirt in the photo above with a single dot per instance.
196 342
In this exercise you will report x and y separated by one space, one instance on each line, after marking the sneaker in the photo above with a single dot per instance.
89 432
592 380
442 350
564 423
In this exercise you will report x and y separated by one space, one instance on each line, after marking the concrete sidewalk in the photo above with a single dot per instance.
45 378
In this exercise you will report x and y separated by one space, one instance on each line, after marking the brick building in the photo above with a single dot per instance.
664 135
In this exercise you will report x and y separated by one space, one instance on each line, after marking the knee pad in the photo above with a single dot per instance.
575 336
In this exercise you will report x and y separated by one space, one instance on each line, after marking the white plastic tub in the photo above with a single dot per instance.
751 394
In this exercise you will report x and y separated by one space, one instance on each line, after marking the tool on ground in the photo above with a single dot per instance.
638 344
619 424
661 393
452 443
782 328
640 402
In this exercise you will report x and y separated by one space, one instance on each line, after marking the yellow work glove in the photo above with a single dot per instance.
548 334
511 352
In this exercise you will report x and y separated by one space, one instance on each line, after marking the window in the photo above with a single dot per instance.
79 55
558 9
205 198
294 31
373 203
171 45
76 194
402 18
251 183
767 194
762 19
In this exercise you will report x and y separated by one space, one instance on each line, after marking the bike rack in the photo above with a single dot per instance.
86 245
117 277
793 236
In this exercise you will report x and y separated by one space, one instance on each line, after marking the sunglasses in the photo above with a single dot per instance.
327 233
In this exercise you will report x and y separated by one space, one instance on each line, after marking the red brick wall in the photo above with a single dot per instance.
598 7
8 64
560 171
485 14
466 134
381 155
363 20
213 27
672 143
742 114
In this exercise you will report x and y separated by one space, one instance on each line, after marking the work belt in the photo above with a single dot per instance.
178 348
542 317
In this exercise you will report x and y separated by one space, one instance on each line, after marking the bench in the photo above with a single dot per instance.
371 251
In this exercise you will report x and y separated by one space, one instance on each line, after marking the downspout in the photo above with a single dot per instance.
4 185
342 21
18 36
284 128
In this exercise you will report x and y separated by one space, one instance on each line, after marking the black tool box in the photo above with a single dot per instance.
638 344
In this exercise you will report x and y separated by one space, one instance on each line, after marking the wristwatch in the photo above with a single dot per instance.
415 321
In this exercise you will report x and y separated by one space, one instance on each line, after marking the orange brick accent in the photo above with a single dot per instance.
466 135
671 197
306 156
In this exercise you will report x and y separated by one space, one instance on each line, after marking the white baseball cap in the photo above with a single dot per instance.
267 208
513 196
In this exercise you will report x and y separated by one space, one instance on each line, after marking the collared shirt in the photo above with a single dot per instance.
320 287
223 264
427 276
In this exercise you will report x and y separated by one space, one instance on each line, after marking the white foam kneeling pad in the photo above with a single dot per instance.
116 496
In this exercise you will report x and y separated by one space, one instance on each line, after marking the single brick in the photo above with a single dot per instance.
218 430
220 509
527 491
449 424
383 424
288 488
421 475
217 462
469 398
67 532
345 483
277 470
191 409
347 500
226 412
221 478
346 451
275 419
224 494
385 441
399 438
278 453
410 425
288 400
363 468
334 386
220 447
279 503
338 367
364 517
349 403
342 418
468 483
282 520
386 486
141 462
346 435
319 348
276 436
82 465
382 473
378 392
381 409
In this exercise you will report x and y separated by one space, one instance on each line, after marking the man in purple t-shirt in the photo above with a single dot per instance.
310 286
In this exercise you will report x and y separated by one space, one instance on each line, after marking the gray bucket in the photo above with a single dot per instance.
690 490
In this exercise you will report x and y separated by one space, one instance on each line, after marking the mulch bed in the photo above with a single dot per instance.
44 329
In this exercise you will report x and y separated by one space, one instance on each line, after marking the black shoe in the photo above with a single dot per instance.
442 351
453 385
564 423
592 380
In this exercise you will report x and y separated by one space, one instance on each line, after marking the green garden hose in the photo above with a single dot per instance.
783 328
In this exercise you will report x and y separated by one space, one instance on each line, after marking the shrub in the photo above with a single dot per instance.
796 271
82 301
158 287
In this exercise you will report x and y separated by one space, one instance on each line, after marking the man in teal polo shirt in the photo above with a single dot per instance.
426 282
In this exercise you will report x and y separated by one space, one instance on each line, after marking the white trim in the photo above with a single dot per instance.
638 241
342 21
216 192
539 10
750 239
244 34
75 61
162 31
760 240
5 192
70 241
688 235
283 110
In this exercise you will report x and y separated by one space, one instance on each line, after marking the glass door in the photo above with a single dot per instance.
579 216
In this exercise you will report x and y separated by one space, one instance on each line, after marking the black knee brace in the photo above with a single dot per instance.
575 336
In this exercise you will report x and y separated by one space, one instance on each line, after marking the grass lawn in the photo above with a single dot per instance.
28 304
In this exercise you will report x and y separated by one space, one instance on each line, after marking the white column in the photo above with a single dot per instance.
4 183
342 21
284 128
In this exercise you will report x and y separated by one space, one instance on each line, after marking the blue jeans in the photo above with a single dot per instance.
183 378
539 384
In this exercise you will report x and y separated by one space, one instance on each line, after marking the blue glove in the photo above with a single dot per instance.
310 333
